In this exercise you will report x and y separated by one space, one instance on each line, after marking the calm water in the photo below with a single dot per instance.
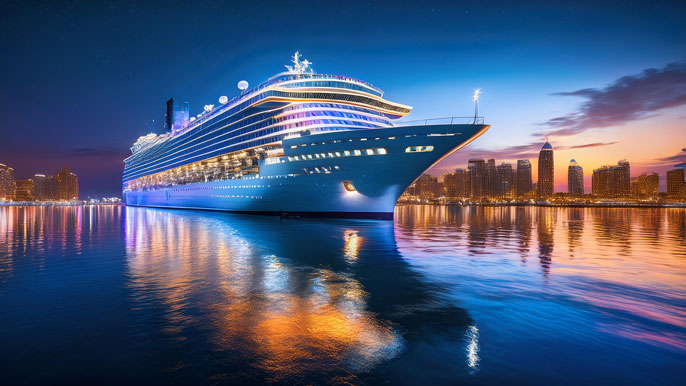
442 296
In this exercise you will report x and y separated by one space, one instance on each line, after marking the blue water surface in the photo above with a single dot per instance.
441 295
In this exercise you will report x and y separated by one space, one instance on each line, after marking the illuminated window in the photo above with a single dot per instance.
309 156
370 151
338 154
418 149
357 152
381 151
346 153
330 155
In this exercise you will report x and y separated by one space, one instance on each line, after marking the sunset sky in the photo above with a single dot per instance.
605 80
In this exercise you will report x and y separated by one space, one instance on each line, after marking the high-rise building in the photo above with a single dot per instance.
600 182
6 182
546 174
427 186
676 187
645 186
478 177
612 181
504 180
523 177
67 185
449 184
575 179
491 178
621 179
462 183
24 190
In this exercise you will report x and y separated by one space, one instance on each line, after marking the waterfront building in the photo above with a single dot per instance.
23 190
676 187
504 180
478 177
546 173
449 184
524 183
645 186
300 142
491 178
427 187
612 181
575 179
6 182
621 179
463 185
67 185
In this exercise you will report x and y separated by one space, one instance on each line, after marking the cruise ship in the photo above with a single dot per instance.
299 144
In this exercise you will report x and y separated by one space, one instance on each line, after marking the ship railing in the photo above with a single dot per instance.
443 121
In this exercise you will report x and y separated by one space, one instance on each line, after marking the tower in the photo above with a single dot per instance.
575 179
546 170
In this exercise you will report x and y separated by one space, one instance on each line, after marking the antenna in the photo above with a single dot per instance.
475 98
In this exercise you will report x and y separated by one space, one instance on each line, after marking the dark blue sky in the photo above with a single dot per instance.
79 81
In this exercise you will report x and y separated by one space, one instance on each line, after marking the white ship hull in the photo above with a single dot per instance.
317 186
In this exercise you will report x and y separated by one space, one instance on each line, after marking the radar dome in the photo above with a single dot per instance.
223 99
242 85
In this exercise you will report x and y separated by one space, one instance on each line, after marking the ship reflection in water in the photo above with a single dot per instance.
445 295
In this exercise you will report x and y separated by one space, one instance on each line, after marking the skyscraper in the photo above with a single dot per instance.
478 177
491 178
676 187
67 185
546 174
575 179
24 190
621 179
462 183
523 177
6 182
504 180
600 183
646 186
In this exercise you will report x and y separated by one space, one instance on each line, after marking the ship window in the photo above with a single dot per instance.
330 155
418 149
338 154
357 152
370 151
309 156
381 151
346 153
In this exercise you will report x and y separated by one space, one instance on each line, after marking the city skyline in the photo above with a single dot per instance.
595 101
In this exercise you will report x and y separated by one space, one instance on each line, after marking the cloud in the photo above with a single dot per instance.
596 144
677 158
628 98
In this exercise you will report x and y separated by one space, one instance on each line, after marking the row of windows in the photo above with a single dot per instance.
419 149
344 153
321 169
238 135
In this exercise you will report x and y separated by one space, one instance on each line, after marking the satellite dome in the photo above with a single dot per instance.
243 85
223 99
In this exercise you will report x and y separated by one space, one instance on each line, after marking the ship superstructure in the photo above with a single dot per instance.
299 143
